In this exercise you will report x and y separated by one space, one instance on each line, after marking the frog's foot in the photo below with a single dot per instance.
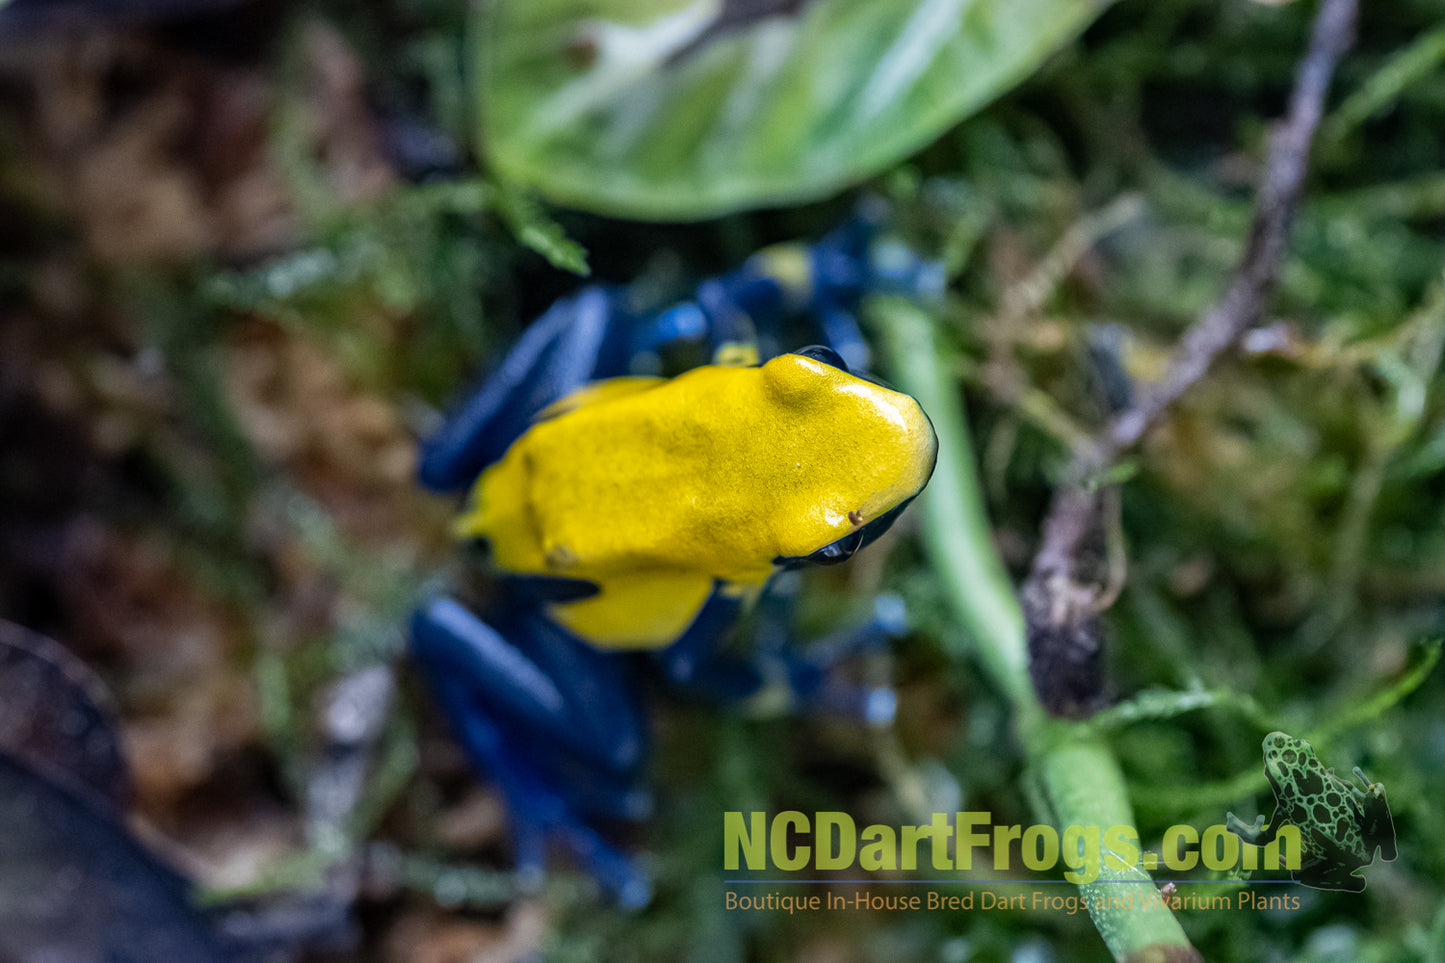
1239 874
778 676
1326 874
553 723
1377 826
817 673
1251 833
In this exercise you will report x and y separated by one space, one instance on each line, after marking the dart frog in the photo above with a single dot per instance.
624 513
1340 825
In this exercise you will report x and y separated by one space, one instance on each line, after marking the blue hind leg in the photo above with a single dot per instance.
538 812
555 724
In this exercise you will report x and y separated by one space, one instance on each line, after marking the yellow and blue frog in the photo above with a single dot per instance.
624 512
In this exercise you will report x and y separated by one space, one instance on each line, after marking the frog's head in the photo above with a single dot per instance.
1291 763
857 453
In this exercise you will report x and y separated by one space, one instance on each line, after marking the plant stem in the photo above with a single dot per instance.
955 528
1079 776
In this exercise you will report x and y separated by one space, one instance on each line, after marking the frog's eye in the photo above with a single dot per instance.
824 354
839 551
843 548
828 356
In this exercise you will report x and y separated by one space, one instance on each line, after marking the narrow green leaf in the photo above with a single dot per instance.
535 230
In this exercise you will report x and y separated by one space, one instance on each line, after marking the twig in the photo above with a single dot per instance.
1258 271
1061 606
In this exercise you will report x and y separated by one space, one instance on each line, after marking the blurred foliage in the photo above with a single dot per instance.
231 497
669 110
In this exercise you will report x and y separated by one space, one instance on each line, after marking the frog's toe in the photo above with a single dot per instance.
780 676
822 687
1333 878
628 884
1249 832
874 706
888 624
821 681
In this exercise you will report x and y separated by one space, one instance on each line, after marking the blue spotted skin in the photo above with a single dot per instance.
560 726
1341 826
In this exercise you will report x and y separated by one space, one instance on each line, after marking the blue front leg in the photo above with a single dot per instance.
775 675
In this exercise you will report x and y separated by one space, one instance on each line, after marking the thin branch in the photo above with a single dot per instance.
1258 272
1060 603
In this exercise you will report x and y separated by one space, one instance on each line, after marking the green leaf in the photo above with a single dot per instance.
1371 707
1153 704
665 109
534 229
